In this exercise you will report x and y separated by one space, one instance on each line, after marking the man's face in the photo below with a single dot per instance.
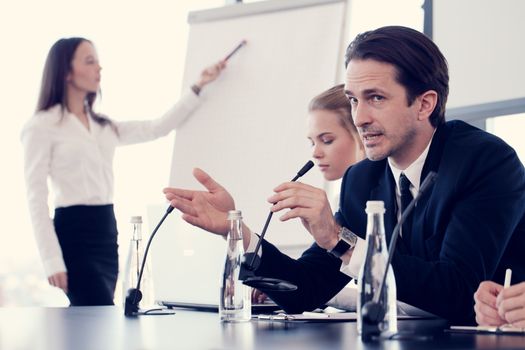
387 125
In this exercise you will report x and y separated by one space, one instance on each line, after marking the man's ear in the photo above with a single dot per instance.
427 103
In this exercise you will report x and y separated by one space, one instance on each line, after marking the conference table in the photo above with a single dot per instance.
106 327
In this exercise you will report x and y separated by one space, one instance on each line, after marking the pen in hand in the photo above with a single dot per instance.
508 276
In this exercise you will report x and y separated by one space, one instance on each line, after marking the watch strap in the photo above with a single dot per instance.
340 248
347 240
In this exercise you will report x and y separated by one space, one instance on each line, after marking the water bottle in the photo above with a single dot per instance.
133 266
235 297
372 272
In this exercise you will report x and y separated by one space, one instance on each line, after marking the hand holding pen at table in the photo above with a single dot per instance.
511 305
498 304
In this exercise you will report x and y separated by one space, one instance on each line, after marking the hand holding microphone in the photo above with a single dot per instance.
208 210
311 205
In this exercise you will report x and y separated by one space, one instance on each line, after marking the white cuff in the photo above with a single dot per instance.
358 256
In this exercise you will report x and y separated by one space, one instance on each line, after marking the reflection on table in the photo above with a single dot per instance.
105 327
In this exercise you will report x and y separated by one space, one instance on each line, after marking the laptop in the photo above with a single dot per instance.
187 264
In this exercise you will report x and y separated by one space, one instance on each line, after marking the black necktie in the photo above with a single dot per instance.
406 198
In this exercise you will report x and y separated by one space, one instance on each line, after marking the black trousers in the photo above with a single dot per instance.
88 238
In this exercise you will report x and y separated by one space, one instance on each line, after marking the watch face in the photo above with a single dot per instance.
348 236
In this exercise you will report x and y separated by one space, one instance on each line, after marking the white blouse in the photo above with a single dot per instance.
79 163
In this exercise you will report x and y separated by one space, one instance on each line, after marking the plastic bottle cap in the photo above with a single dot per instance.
136 219
376 207
234 214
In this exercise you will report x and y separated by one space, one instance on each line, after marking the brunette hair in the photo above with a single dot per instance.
53 89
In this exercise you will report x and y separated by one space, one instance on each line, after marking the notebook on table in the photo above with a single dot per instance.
505 329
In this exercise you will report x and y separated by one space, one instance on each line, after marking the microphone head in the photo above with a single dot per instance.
372 313
305 168
131 305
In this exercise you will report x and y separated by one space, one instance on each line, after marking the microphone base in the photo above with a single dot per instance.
372 315
266 284
161 311
131 304
370 332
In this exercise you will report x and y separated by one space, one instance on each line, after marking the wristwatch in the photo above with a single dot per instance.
347 241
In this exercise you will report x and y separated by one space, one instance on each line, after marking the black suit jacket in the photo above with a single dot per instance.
467 228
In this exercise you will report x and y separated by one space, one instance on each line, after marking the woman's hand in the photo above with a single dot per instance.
210 73
59 280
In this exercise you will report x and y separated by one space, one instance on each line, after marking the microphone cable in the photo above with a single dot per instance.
134 295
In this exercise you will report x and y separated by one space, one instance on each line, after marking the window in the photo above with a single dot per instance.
510 128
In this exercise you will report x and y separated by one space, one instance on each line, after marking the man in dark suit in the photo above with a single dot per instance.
469 227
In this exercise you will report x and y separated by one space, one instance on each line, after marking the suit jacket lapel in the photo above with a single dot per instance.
435 151
432 163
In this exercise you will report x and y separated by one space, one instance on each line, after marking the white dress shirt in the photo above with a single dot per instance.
79 163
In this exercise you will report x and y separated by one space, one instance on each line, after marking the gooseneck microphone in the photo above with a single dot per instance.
265 283
134 295
374 311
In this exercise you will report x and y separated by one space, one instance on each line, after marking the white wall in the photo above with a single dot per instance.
483 43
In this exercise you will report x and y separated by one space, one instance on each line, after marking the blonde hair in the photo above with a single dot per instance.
335 100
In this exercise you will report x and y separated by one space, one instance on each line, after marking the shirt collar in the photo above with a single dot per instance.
413 171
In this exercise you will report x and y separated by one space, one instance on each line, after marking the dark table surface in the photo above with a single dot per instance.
105 327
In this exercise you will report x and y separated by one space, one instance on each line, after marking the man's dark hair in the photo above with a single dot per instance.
419 64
